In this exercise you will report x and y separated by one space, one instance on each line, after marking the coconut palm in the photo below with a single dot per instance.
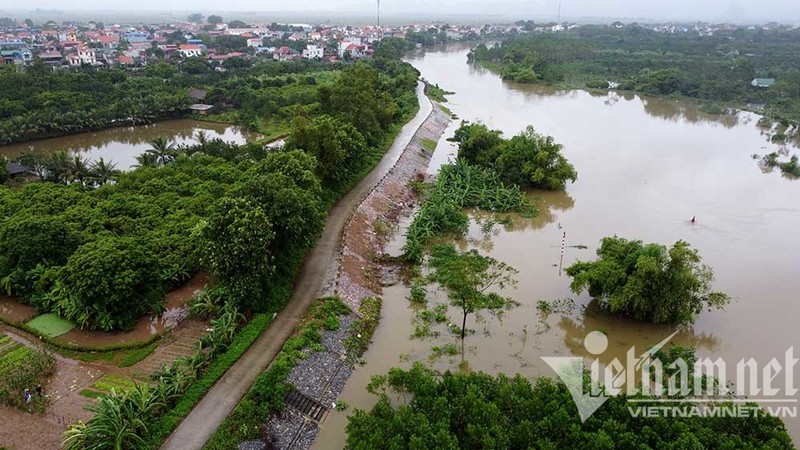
79 169
58 167
201 137
163 150
146 159
102 172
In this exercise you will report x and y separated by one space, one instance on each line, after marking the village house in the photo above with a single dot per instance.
285 54
763 82
313 52
125 60
255 42
111 42
20 56
83 55
190 50
51 57
135 36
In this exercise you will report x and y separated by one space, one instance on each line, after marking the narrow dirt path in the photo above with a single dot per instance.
208 414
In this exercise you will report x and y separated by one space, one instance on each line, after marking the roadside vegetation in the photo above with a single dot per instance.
435 93
716 69
266 397
479 411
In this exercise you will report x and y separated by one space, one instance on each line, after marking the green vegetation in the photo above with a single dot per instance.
716 68
362 329
39 102
435 93
110 382
479 411
133 357
120 420
467 278
127 417
790 168
51 325
528 159
648 282
429 144
23 368
103 256
266 395
458 186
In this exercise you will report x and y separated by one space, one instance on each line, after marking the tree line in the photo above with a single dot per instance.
716 68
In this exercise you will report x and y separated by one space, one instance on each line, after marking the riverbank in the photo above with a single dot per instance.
222 398
368 229
318 372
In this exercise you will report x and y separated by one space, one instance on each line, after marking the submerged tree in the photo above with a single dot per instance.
648 281
481 411
528 159
467 277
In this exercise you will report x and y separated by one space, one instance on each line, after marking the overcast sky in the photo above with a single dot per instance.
738 10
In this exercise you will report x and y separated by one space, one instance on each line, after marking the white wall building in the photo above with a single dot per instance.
313 52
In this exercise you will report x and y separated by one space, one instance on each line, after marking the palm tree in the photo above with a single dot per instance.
146 159
79 168
163 150
58 167
102 172
201 137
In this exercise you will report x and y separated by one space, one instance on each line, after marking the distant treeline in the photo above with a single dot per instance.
718 68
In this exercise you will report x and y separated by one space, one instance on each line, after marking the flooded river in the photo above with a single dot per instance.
123 145
646 166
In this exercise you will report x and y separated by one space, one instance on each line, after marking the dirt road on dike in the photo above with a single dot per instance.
197 428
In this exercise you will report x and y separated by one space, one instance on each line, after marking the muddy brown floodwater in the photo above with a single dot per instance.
123 145
646 166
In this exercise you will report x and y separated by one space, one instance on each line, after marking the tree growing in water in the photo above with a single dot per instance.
467 278
647 281
480 411
528 159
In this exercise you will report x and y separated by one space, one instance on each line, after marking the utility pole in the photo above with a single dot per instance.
379 13
559 12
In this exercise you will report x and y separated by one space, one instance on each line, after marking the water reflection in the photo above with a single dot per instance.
122 145
624 333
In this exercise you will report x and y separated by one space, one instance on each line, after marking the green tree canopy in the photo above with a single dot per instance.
27 241
528 159
100 279
338 147
479 411
648 281
468 278
214 19
357 98
236 246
